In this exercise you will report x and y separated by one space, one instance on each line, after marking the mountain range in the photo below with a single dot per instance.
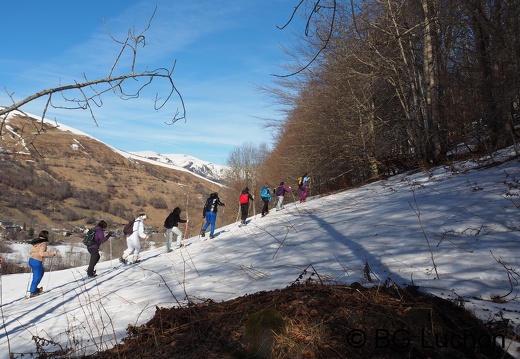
205 169
54 176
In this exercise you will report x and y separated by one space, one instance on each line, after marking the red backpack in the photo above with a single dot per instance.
244 198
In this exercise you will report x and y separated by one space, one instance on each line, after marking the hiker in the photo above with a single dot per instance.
303 180
244 204
171 224
93 249
210 213
303 193
36 254
265 194
306 179
280 192
302 185
133 241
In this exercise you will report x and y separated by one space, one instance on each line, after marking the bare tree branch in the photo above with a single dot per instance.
123 85
317 7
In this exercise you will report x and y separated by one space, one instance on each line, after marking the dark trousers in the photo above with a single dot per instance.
265 208
244 208
94 258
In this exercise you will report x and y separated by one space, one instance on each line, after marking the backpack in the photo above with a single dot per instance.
264 192
244 198
300 182
279 191
89 237
168 222
128 229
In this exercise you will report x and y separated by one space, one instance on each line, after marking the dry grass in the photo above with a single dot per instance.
312 321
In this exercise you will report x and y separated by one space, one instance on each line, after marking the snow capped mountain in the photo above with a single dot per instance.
205 169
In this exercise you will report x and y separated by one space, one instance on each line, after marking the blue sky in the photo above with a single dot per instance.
223 51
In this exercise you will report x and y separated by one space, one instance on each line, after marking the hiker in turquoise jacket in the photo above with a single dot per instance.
265 194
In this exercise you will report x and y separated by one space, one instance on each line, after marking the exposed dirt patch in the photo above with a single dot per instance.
315 321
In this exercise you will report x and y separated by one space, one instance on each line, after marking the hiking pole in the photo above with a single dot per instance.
185 229
110 245
187 220
2 309
185 232
50 271
201 226
29 283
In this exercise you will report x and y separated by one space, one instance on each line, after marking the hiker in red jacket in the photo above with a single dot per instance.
244 204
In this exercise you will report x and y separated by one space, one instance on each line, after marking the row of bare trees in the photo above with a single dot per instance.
397 84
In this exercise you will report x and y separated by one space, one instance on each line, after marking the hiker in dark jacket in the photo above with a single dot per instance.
244 199
210 213
171 223
93 249
37 253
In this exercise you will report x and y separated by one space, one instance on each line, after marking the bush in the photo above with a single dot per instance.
158 203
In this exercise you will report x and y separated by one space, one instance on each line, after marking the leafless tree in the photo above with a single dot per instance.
244 164
379 87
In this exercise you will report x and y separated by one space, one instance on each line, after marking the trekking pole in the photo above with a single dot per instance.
50 271
185 228
187 220
201 226
29 283
185 232
2 310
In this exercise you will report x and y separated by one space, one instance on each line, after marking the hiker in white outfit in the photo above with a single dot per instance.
133 241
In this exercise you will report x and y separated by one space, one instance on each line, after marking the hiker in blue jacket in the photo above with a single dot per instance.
265 194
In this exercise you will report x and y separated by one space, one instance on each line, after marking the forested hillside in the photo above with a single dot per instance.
376 88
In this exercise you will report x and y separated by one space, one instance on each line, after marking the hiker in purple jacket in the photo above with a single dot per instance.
280 192
99 238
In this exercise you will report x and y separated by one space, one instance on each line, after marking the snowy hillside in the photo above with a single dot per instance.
452 234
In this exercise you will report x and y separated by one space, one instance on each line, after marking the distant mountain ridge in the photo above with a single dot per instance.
67 179
202 168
